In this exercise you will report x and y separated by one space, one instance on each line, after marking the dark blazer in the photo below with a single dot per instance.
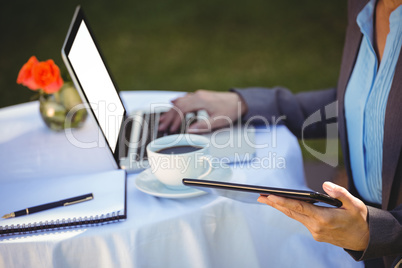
385 223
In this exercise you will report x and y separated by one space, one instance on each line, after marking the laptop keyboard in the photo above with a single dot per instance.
149 132
128 126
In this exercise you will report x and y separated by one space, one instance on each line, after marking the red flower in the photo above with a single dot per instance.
43 75
46 75
25 75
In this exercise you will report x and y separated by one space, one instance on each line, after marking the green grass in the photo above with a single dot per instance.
184 45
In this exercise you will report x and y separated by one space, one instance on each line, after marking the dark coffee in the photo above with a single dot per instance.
181 149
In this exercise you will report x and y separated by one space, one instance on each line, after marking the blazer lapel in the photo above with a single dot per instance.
392 134
351 49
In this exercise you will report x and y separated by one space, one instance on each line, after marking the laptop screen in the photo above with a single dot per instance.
96 84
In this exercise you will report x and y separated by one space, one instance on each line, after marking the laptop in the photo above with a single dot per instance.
127 134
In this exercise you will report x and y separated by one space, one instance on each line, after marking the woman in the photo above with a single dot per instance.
369 95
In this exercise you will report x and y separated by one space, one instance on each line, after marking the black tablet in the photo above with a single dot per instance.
223 188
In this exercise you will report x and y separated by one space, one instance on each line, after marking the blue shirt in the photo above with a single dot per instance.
366 100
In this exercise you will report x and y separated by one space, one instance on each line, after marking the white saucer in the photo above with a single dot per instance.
146 182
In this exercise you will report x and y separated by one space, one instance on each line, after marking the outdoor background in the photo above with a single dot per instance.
183 45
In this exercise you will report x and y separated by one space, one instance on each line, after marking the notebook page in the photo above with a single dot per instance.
108 189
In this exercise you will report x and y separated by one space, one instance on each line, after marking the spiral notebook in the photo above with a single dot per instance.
108 204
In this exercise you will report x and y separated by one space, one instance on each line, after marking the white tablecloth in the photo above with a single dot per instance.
205 231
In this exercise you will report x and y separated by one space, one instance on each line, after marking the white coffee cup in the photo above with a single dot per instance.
170 168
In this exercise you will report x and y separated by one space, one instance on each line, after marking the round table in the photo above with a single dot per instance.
204 231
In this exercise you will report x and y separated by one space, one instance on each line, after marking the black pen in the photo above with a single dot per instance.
61 203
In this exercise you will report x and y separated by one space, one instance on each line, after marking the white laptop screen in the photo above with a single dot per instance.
96 84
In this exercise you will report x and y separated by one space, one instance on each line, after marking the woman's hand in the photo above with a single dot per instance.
345 227
223 109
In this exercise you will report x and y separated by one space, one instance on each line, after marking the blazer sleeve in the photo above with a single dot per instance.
280 106
385 234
